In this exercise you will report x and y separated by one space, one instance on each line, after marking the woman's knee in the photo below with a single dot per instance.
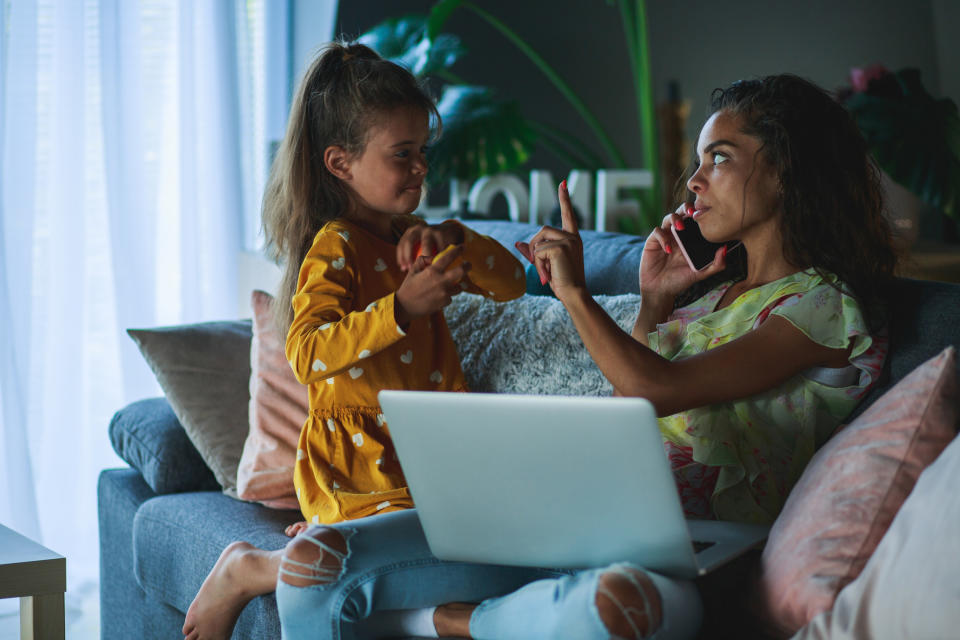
628 602
316 557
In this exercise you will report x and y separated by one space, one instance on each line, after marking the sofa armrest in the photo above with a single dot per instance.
147 435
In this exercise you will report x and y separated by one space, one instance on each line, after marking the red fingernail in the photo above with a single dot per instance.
667 248
679 224
543 279
563 185
689 209
724 254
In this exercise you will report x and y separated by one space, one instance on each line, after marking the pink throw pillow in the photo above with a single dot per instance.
278 409
850 492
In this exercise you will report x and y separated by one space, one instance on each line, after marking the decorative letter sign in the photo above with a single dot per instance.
487 188
535 205
609 184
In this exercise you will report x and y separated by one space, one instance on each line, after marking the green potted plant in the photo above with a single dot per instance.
914 137
484 134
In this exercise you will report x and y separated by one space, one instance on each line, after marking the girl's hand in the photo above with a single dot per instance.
426 240
664 273
429 286
558 253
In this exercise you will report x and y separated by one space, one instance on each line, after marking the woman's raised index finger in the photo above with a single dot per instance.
566 209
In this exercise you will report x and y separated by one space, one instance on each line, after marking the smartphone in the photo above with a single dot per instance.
698 251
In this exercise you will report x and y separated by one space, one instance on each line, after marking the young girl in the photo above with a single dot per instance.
748 380
362 296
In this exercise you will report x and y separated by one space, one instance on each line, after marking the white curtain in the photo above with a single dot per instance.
123 197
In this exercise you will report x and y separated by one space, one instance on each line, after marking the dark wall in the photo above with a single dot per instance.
818 39
582 40
699 43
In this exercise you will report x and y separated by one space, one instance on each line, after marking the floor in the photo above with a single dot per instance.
82 612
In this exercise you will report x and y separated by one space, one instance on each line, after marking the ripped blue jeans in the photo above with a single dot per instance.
388 565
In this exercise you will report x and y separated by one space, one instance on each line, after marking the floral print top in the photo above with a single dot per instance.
738 460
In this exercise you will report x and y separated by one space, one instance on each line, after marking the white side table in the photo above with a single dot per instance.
38 577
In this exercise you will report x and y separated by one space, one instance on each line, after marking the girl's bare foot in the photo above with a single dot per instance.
452 620
296 529
241 573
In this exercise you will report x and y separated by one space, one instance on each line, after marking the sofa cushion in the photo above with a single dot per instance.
924 316
126 610
611 260
851 490
908 589
178 538
147 436
204 371
279 405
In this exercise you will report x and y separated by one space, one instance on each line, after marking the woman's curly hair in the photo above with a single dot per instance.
829 185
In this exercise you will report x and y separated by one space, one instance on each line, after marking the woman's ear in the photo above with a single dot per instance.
337 161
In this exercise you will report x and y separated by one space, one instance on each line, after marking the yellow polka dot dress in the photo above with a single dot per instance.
345 344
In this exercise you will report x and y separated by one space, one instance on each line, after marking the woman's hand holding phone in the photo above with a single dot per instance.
699 252
664 269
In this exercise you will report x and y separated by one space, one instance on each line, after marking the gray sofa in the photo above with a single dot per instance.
163 522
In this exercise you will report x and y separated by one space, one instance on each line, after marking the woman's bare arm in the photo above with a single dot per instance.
760 360
755 362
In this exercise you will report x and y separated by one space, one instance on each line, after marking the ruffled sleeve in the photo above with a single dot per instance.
832 318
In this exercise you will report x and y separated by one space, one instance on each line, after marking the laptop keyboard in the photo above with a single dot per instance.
699 545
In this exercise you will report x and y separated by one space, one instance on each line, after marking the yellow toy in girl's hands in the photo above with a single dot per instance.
430 259
483 275
419 239
446 251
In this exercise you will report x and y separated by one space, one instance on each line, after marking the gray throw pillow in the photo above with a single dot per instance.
530 346
147 435
204 371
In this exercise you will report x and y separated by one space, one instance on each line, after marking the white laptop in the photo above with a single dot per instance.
548 481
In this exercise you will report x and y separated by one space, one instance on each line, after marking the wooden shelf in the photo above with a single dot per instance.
38 577
933 262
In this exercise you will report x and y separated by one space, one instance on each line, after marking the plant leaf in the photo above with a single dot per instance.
394 37
915 138
481 135
442 52
404 41
438 16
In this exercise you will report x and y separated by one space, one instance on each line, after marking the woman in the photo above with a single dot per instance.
778 344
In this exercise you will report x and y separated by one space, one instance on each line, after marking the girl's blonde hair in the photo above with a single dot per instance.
343 93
